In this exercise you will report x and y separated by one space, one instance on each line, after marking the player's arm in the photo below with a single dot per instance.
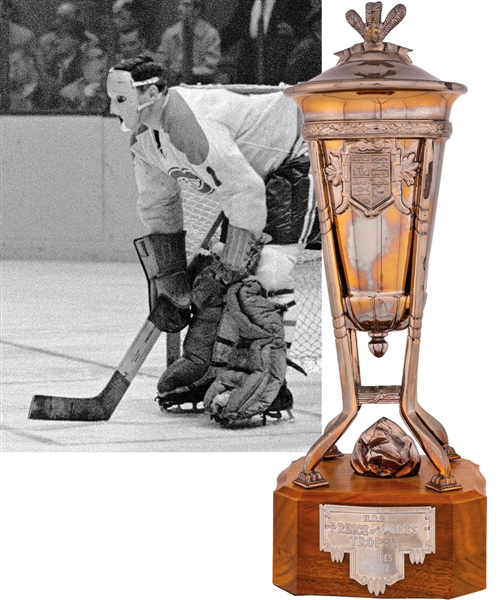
210 156
159 204
241 189
163 251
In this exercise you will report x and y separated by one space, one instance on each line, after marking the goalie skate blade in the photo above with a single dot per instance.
98 408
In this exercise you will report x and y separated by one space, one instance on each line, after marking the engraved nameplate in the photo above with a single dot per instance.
377 540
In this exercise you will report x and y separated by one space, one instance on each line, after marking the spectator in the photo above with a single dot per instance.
129 28
27 92
305 60
262 35
123 16
67 64
68 13
130 44
19 35
87 94
190 49
46 50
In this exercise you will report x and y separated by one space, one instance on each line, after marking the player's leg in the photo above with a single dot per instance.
188 376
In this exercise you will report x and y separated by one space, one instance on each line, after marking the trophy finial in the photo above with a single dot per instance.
374 31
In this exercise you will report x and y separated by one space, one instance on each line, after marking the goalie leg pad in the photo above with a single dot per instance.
198 348
257 363
197 351
283 401
285 301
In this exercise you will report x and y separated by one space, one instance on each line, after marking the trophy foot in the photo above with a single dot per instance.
440 483
333 452
450 451
310 480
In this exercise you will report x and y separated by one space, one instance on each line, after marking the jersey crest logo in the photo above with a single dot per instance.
185 176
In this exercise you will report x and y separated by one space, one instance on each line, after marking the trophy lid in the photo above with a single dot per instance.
375 64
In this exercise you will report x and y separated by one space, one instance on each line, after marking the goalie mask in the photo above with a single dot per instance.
127 100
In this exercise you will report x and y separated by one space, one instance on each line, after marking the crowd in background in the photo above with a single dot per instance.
64 69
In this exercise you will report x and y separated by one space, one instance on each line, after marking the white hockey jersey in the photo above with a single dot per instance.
223 144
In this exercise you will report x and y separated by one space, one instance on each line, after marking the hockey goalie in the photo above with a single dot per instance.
245 153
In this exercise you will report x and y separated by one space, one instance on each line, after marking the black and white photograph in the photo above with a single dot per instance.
169 340
174 294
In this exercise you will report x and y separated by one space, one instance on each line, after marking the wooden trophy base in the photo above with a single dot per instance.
457 567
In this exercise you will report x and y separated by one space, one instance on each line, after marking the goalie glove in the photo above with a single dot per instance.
238 259
163 258
253 344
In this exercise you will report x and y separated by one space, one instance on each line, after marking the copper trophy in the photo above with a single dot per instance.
376 127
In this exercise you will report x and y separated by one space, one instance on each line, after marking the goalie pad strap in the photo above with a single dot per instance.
285 307
278 292
222 340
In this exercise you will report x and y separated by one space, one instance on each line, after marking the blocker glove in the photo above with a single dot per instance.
163 258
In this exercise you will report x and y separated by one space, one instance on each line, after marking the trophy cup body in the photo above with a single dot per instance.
376 127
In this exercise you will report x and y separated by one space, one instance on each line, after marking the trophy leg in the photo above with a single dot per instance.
444 481
431 440
435 427
353 342
309 477
333 451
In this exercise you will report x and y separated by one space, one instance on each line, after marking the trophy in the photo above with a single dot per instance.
411 525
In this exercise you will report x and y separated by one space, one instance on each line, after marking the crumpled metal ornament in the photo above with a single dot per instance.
385 450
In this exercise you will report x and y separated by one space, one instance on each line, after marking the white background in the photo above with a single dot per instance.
106 526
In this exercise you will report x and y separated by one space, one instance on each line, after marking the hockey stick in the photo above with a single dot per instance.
102 406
